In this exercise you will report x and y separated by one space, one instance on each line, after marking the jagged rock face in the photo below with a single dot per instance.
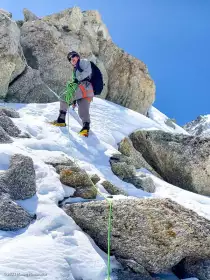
47 41
6 13
181 160
12 61
155 233
44 51
129 83
29 87
29 16
199 127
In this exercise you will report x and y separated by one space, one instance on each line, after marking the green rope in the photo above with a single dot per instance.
71 88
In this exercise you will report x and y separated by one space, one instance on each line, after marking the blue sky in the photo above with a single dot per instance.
171 36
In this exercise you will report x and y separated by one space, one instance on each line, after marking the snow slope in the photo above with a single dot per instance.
54 247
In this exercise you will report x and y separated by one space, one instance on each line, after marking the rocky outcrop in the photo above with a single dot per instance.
6 13
29 88
168 154
12 61
29 16
131 156
47 41
19 180
12 216
80 181
155 233
128 78
112 189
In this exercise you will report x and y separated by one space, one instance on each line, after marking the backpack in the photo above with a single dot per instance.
96 79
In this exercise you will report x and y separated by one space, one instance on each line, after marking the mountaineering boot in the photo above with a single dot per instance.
61 120
85 130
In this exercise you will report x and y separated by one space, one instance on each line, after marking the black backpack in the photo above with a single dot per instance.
96 79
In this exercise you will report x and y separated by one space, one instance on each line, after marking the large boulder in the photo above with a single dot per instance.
181 160
28 88
19 181
12 61
155 233
12 216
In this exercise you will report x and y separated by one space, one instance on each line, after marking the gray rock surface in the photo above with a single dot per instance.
9 112
155 233
4 137
29 88
112 189
6 13
197 268
128 78
137 268
95 179
19 179
143 181
168 154
12 216
7 124
79 181
132 156
29 16
47 41
12 61
59 160
122 166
